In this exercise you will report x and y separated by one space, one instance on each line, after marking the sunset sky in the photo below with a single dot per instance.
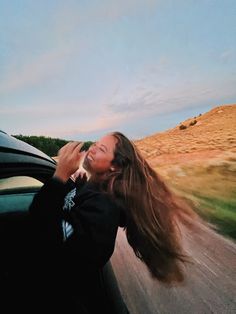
80 69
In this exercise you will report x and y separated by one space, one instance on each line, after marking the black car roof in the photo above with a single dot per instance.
11 145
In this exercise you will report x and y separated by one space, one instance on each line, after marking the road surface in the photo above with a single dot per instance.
210 285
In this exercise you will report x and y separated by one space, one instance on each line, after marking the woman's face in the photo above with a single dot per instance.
100 155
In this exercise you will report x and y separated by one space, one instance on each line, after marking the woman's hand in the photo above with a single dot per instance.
80 174
69 158
80 178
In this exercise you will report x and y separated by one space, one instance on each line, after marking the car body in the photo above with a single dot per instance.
23 171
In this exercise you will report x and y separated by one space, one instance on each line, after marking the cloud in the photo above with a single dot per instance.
98 123
62 35
106 11
175 97
118 115
65 120
112 9
228 55
43 67
90 125
52 110
64 40
102 120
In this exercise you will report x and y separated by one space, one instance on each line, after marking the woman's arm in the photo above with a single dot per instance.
47 207
46 211
95 223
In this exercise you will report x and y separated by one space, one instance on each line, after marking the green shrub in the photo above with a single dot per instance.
193 122
48 145
182 127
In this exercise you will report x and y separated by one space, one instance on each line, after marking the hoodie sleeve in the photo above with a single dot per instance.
95 223
46 211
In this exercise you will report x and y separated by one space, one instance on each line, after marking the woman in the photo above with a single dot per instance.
78 223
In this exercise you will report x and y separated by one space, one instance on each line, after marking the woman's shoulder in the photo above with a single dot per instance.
91 195
90 190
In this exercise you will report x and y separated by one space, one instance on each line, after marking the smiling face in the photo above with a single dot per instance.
98 159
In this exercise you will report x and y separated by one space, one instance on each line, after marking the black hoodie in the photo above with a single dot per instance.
74 237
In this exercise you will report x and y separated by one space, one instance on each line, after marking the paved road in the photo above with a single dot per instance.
210 285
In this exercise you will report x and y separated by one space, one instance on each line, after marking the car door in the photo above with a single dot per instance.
23 170
16 194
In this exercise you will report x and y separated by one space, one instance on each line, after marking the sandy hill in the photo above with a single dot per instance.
211 131
199 163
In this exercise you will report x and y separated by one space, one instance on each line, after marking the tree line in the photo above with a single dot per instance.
48 145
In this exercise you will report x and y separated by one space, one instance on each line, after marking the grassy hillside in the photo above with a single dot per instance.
199 163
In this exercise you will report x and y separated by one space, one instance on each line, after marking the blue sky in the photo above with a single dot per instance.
80 69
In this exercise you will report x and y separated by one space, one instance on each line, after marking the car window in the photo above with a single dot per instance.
16 193
17 183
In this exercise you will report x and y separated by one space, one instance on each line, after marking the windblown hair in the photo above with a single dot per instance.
151 211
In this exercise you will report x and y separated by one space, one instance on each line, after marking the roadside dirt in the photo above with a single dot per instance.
210 283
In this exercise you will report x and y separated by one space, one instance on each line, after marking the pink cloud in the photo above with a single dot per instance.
43 67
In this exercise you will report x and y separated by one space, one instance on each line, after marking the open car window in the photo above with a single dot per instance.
19 183
16 193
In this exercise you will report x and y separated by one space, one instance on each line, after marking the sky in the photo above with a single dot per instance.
80 69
